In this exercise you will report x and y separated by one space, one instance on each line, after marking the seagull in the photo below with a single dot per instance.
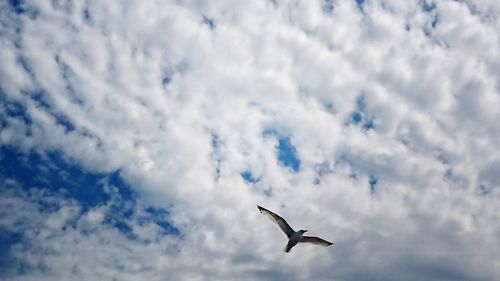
294 237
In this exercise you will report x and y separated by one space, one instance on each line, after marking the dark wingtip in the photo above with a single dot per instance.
260 208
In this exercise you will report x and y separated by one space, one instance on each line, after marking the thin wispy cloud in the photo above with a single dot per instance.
137 139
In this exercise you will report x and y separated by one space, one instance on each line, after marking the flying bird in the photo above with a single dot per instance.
294 237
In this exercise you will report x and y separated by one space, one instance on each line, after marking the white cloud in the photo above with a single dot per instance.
429 84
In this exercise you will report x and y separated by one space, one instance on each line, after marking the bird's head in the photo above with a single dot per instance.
303 230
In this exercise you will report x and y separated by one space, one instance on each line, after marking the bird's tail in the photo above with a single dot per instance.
287 249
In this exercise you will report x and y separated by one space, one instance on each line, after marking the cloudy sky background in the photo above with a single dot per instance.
137 138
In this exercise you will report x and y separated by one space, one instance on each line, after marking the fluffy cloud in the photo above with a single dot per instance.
391 108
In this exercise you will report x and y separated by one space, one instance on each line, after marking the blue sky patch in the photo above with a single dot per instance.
17 110
166 80
17 6
64 121
368 125
216 142
287 153
124 229
23 62
7 239
428 7
359 117
431 10
249 177
356 117
160 217
52 172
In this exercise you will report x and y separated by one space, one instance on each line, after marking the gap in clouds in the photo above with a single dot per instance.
430 9
360 117
62 183
249 177
49 234
40 99
7 240
17 6
51 172
287 153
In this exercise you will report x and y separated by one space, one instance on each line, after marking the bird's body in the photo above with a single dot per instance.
294 237
294 240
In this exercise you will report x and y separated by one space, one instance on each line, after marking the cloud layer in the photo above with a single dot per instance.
371 123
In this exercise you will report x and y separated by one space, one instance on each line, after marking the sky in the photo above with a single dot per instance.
138 137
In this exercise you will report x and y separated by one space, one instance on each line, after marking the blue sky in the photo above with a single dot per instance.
136 139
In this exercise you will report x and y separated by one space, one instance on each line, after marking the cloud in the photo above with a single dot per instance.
387 109
56 237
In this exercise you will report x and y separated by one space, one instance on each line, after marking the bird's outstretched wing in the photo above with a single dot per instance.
278 220
315 240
